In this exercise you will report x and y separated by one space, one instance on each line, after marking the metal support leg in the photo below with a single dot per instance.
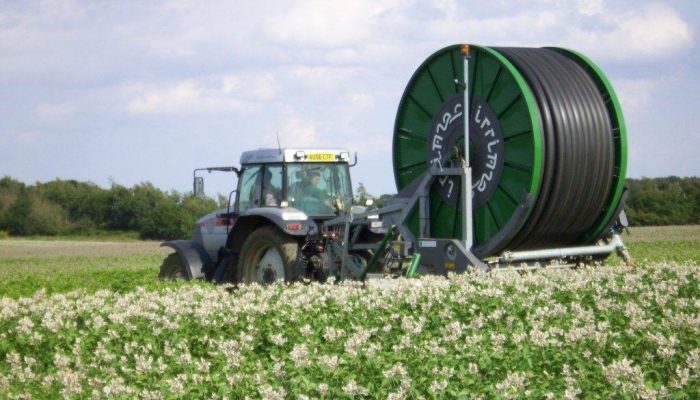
467 215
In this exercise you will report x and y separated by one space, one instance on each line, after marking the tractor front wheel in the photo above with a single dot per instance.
172 268
268 256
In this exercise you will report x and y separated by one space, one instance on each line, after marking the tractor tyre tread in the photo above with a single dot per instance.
172 268
287 247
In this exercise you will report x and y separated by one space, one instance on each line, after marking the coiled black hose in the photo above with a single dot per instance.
578 149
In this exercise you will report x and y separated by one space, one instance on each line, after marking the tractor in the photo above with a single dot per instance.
273 230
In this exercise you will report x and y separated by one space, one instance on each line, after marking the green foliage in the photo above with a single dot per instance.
15 219
45 217
361 194
63 274
610 332
69 207
383 199
80 320
664 201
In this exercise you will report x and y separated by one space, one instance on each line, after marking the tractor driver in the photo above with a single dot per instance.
311 189
270 192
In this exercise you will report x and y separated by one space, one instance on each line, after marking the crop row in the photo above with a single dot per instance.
611 331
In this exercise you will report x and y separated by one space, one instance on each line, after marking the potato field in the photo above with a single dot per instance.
91 320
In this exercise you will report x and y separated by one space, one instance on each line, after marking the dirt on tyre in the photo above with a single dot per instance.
268 256
172 268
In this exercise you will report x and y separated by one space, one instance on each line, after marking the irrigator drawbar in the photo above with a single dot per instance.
535 178
539 182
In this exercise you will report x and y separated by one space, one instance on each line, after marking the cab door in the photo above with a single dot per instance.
250 189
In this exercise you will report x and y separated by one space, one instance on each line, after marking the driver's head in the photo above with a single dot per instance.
314 177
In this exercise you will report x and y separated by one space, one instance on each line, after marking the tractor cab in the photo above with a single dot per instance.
313 181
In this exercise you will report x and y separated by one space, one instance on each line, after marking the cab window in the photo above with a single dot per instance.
250 192
272 186
317 188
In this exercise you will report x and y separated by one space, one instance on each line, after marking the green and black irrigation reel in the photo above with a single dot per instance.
546 160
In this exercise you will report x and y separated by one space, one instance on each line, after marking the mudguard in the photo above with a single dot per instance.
282 217
194 257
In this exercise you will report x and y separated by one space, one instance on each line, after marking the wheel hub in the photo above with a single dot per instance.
486 150
270 268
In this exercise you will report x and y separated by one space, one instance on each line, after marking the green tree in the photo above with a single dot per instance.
45 217
16 217
361 194
193 208
663 201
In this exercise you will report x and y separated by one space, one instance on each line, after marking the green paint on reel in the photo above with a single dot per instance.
498 83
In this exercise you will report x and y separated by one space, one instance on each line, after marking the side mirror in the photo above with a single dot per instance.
198 186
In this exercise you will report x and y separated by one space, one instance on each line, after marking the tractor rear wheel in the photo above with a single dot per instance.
172 268
268 256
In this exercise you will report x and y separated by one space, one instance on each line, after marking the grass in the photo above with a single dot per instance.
122 265
62 266
91 236
664 243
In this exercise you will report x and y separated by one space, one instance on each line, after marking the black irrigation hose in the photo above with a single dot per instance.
578 149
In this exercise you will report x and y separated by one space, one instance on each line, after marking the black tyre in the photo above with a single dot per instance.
268 256
172 268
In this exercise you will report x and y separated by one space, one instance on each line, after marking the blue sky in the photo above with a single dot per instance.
127 92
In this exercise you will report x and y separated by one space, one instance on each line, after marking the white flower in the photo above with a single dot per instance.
353 389
299 355
278 339
306 330
437 387
268 392
25 326
332 334
322 389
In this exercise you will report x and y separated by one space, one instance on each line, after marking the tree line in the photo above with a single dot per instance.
69 207
663 201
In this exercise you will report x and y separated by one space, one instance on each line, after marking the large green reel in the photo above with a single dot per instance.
507 180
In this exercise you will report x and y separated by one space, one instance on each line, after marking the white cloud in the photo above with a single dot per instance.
258 86
27 138
263 87
185 97
362 100
328 24
641 34
600 30
323 77
241 93
590 7
230 83
636 94
298 132
54 110
167 99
